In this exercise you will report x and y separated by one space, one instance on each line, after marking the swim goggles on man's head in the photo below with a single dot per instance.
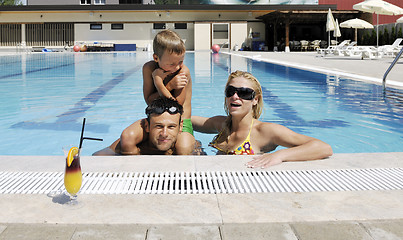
161 110
244 93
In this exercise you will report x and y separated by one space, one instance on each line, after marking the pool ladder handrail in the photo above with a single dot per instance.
390 68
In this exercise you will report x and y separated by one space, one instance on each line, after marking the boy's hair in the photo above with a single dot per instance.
163 104
168 40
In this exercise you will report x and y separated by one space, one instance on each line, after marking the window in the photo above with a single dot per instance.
130 2
159 26
85 2
99 2
96 26
181 26
117 26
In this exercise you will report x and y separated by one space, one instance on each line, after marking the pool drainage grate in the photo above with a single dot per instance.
208 182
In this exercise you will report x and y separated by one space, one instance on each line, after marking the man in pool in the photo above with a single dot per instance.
160 130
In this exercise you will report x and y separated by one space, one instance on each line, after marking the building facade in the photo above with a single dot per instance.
261 26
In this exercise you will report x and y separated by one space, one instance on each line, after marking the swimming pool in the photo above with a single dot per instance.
44 97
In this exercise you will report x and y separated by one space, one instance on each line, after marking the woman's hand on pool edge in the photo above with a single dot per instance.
264 161
314 149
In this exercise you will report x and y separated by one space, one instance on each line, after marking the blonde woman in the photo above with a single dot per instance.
240 132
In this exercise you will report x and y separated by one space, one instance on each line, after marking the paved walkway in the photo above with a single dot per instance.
368 69
367 214
363 230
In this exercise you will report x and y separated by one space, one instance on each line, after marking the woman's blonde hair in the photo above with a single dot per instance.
258 108
168 40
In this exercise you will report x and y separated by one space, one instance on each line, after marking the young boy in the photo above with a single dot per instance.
165 76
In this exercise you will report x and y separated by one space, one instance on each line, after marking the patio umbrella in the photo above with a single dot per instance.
330 23
399 20
378 7
356 23
337 32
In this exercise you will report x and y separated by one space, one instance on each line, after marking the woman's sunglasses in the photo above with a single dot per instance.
244 93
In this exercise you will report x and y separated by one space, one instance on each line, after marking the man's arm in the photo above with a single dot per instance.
108 151
131 137
128 142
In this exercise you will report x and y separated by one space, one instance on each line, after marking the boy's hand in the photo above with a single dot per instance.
178 82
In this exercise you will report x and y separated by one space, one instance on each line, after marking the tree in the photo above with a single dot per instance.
393 33
385 39
365 38
10 2
399 34
373 38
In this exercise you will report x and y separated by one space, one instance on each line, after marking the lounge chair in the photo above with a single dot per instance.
331 49
345 50
363 52
314 45
304 45
295 45
323 44
391 50
371 52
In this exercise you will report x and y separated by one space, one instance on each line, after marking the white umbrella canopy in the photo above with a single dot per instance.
330 23
399 20
356 23
337 32
378 7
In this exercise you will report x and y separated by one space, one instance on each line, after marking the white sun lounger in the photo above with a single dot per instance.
391 50
331 49
363 52
344 51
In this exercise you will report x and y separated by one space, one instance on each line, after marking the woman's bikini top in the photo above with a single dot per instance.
244 148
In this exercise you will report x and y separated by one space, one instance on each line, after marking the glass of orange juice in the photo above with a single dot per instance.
73 177
72 174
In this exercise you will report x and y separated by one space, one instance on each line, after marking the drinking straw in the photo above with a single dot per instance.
82 137
82 134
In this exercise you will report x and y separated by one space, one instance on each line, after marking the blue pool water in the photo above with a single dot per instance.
45 97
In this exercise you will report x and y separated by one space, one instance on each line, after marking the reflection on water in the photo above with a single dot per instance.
45 96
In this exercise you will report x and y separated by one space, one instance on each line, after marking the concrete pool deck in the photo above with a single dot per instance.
371 70
293 215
